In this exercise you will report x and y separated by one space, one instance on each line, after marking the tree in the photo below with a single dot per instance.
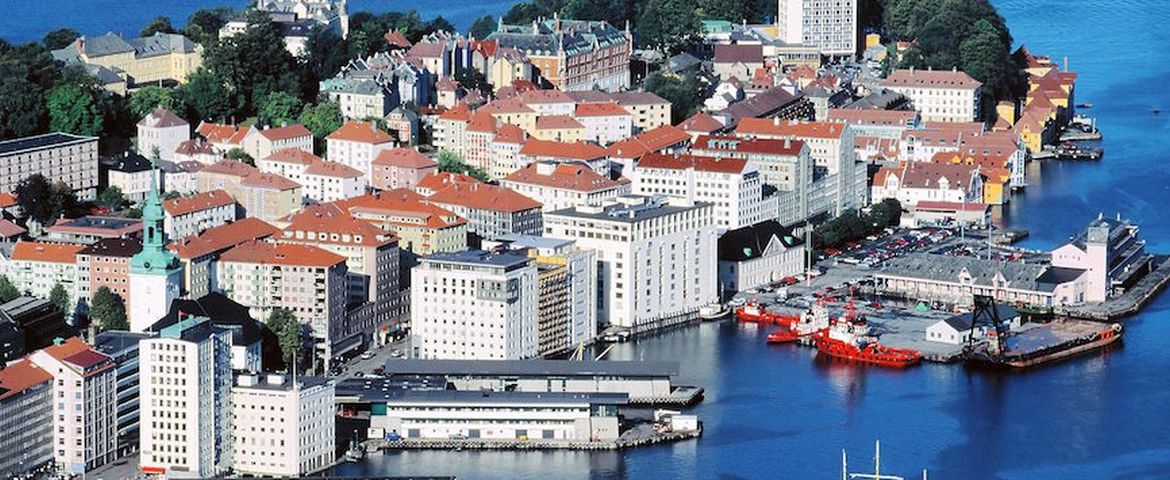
160 24
203 25
482 27
59 297
288 332
171 195
8 291
254 62
132 212
616 12
440 24
144 100
73 108
886 213
206 96
35 196
473 79
112 197
239 154
667 25
321 119
108 311
985 57
277 108
22 102
325 53
684 93
59 38
451 162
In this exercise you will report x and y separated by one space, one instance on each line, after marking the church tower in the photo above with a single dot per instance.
155 273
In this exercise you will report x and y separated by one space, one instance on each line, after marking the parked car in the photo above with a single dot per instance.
367 355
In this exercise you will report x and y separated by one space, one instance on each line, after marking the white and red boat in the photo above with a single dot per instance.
850 340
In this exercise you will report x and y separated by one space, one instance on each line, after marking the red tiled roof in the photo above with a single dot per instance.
162 118
285 133
329 219
557 122
46 252
222 237
221 133
566 176
426 49
601 109
506 105
403 203
700 163
231 167
535 147
649 141
446 83
509 133
780 127
19 376
861 116
482 121
293 155
701 122
438 180
482 196
268 253
326 168
544 96
364 132
403 158
269 181
75 352
771 146
7 200
9 229
460 112
195 147
931 79
739 53
199 201
396 39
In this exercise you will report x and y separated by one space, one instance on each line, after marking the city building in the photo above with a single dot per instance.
938 95
732 185
912 182
358 98
106 263
565 185
247 349
198 150
604 123
758 255
225 137
185 400
474 304
60 157
200 254
321 180
330 13
356 144
952 279
783 163
829 25
536 150
421 228
738 61
131 173
262 143
156 275
26 405
282 427
36 267
162 131
572 54
37 318
85 426
656 258
179 177
490 210
1112 255
123 347
162 57
191 215
261 195
400 168
832 150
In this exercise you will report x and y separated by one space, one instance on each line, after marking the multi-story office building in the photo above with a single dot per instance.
122 347
185 400
829 25
282 427
656 257
26 418
85 426
60 157
938 95
200 254
474 305
565 185
732 185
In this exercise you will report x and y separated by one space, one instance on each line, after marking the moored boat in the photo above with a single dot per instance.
849 340
783 336
754 312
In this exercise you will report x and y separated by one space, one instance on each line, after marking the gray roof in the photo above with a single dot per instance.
479 257
113 341
130 163
161 44
48 140
447 397
653 208
357 86
763 104
102 45
746 243
682 62
22 305
532 368
946 268
574 36
516 240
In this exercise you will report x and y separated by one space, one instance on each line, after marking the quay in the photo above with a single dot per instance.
639 436
1068 152
1128 303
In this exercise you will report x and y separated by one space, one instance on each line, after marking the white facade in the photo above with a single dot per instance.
607 129
323 185
563 186
474 305
60 157
194 222
185 407
829 25
85 427
656 260
732 186
759 255
282 428
355 154
151 294
944 332
939 96
163 131
134 185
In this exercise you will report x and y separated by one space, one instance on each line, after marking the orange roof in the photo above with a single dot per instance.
231 167
930 79
766 146
364 132
197 202
293 155
403 158
437 180
269 181
566 176
649 141
545 96
536 147
75 352
396 39
46 252
557 122
506 105
869 116
267 253
460 112
216 132
685 162
9 229
701 122
285 133
402 203
779 127
7 200
482 196
332 223
601 109
326 168
19 376
509 133
482 121
222 237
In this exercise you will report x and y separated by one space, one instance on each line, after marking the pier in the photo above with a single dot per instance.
638 436
1128 303
1068 152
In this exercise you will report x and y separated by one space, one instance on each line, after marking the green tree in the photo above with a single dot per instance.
59 38
684 93
321 119
74 108
451 162
886 213
277 108
239 154
616 12
132 212
440 24
43 201
482 27
112 198
203 25
144 100
325 53
8 291
22 101
108 311
473 79
985 57
207 97
59 297
526 12
668 25
254 62
171 195
160 24
288 332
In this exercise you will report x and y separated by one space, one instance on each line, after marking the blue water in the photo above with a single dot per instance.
29 20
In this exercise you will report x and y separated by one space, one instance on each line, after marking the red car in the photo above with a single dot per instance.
832 252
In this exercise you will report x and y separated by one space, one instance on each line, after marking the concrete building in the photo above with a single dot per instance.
91 228
36 267
106 263
162 131
358 98
156 275
356 144
400 168
474 305
200 254
193 214
739 61
26 407
572 54
282 427
262 143
566 185
122 348
604 123
731 185
656 259
950 279
60 157
490 210
131 173
832 150
162 57
421 228
1111 254
185 400
85 425
912 182
938 95
829 25
758 255
265 196
247 353
783 163
37 318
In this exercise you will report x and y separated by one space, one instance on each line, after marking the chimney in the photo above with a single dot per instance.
776 121
912 70
787 142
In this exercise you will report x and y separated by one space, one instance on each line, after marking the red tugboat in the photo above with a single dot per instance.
848 338
783 335
753 312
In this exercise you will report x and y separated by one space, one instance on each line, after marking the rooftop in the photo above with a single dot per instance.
532 367
648 141
930 79
20 376
535 147
686 162
404 158
503 259
221 310
401 206
37 142
793 128
557 122
113 247
468 398
769 146
746 243
565 176
197 202
947 268
294 156
288 254
362 132
483 196
702 123
222 237
46 252
628 209
162 118
331 223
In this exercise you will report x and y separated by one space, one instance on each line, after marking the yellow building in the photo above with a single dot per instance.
559 128
165 57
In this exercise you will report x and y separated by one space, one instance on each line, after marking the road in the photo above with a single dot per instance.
381 355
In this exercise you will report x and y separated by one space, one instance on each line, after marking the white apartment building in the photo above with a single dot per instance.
85 426
132 174
474 305
564 185
331 181
782 163
60 157
262 143
732 185
758 255
913 182
36 267
282 427
356 144
605 123
832 150
829 25
191 215
185 400
656 258
938 95
162 131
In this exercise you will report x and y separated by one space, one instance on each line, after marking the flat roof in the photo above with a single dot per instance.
40 141
114 341
448 397
653 207
478 257
531 368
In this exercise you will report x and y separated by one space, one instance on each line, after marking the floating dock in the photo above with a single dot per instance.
1047 343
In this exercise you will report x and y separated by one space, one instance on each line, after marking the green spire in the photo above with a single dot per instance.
154 258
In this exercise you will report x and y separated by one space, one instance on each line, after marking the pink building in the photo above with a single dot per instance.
400 168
